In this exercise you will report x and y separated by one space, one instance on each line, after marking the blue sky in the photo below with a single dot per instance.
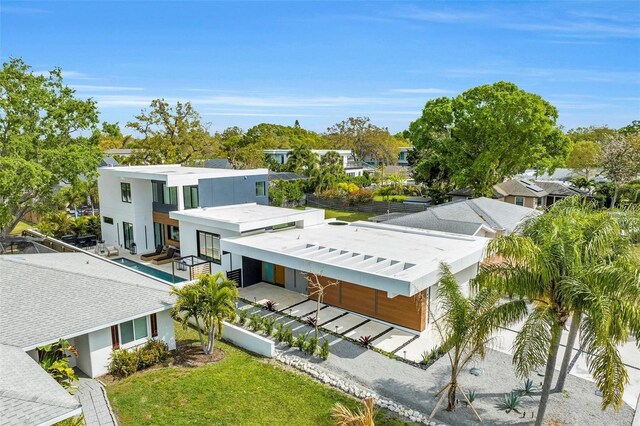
320 62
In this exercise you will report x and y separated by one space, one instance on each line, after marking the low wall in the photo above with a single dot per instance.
377 207
247 340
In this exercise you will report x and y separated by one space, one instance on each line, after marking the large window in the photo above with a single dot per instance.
519 201
125 192
127 230
190 197
261 189
208 246
170 195
158 234
174 233
133 330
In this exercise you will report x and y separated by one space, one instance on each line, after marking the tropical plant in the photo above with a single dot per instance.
287 336
54 359
471 396
268 324
270 305
344 416
365 341
300 342
571 259
255 322
528 387
511 402
311 322
208 302
279 333
243 314
312 345
467 326
323 352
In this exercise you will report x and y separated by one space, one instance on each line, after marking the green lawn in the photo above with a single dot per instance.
637 251
241 389
347 216
397 198
21 226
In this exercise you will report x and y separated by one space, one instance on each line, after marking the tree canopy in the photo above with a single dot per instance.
487 134
171 135
47 136
585 156
620 159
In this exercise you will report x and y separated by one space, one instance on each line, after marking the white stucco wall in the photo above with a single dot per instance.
248 340
83 361
189 245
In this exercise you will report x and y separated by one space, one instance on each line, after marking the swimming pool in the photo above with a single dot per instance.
164 276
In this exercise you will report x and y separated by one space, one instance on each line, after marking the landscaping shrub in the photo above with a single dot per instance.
300 341
471 396
312 345
268 325
279 333
153 352
323 352
255 322
287 336
511 401
123 363
528 387
243 314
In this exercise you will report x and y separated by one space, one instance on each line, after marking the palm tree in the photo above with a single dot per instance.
545 266
466 327
209 301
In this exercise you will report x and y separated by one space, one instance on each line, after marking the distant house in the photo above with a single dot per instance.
95 304
351 167
275 176
521 192
482 216
557 191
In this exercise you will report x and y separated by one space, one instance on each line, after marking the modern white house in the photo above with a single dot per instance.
384 272
351 167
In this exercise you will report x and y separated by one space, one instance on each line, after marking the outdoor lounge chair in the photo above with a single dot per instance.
112 251
161 260
160 251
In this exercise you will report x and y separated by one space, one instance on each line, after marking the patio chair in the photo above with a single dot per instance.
160 251
161 260
112 251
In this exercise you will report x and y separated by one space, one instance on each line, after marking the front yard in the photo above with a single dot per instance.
240 389
347 216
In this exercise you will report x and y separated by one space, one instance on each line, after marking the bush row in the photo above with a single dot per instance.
125 362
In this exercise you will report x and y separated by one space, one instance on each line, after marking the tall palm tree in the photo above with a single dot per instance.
467 326
210 301
545 266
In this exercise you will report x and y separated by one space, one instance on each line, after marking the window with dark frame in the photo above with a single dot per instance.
519 201
107 220
170 195
208 246
190 195
261 189
125 192
174 232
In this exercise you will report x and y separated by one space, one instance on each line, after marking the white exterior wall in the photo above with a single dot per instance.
83 361
166 330
139 212
189 245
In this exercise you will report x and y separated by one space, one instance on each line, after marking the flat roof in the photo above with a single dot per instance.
247 217
62 295
169 172
392 258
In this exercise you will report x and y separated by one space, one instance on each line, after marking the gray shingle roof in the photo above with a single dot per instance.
465 217
521 188
48 296
218 163
28 395
559 189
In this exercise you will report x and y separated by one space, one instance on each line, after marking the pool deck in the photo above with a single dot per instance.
164 268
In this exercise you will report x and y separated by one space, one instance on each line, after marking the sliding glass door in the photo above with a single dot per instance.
158 234
127 230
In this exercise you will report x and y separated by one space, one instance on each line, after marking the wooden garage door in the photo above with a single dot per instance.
279 275
406 311
331 294
358 298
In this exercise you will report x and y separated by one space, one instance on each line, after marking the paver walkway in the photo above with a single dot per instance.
95 406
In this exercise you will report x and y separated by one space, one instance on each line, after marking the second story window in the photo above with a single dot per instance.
170 195
125 192
261 189
190 197
174 233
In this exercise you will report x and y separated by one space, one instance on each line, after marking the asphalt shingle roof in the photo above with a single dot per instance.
558 189
465 217
28 395
521 188
44 297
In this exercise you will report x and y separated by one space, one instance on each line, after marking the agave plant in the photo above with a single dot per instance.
511 402
528 387
361 417
471 396
270 305
366 341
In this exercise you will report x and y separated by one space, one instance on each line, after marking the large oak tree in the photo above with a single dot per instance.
43 140
487 134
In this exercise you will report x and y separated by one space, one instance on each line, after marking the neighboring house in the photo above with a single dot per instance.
95 304
217 163
520 192
557 191
351 167
483 217
561 175
121 152
276 176
385 272
135 201
403 158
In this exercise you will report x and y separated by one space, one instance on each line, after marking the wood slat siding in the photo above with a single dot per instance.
358 298
164 218
197 270
410 312
279 275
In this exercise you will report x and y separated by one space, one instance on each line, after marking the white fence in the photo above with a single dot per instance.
247 340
